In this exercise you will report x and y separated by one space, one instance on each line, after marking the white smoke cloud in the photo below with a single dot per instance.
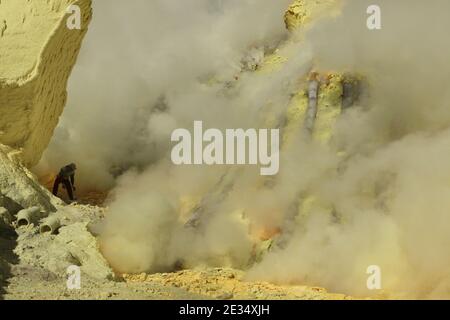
142 57
383 203
145 70
390 196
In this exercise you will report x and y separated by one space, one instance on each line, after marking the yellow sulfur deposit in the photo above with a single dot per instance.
301 12
272 63
295 115
330 101
329 109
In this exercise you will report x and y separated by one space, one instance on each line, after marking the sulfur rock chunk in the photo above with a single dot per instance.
37 53
301 12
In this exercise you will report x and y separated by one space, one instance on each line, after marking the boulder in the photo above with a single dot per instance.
37 53
77 242
19 188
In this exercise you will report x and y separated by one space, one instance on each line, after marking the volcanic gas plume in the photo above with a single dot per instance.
377 193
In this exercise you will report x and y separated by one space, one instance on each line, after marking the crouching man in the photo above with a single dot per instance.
66 176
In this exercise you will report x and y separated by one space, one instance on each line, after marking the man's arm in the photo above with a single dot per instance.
72 180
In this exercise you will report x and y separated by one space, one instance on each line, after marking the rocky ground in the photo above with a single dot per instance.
224 284
34 266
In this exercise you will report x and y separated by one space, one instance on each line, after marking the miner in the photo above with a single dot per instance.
66 176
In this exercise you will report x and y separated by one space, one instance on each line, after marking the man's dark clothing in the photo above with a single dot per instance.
66 176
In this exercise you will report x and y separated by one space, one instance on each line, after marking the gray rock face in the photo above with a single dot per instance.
20 189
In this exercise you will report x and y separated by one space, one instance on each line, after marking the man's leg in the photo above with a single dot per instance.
56 186
69 189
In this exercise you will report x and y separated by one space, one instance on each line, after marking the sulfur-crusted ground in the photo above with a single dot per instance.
33 266
224 284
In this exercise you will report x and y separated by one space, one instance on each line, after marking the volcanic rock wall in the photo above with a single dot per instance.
37 53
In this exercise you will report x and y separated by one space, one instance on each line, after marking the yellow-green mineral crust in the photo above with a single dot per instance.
37 53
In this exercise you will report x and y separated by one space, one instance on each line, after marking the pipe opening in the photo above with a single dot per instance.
23 222
45 229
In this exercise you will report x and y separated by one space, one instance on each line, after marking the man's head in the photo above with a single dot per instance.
73 166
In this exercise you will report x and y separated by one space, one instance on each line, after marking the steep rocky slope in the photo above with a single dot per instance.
37 53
